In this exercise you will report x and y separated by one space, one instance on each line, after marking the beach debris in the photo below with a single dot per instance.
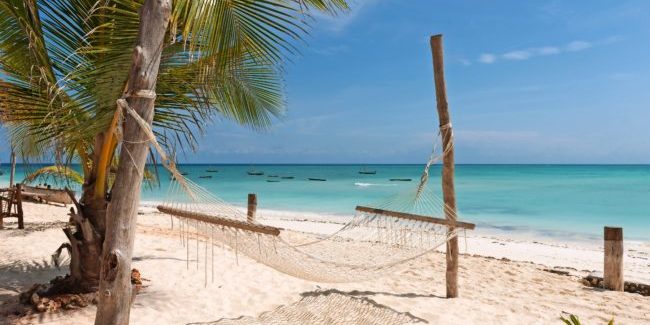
40 300
51 303
559 272
595 281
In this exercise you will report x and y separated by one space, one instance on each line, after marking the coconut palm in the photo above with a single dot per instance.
64 63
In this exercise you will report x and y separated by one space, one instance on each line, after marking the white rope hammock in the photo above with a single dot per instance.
373 243
378 240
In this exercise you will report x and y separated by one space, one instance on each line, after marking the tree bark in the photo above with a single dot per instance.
448 191
115 288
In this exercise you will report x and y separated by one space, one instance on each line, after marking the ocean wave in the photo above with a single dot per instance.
371 184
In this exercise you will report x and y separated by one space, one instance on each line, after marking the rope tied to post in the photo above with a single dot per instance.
434 158
151 137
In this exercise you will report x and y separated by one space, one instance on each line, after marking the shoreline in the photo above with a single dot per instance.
520 232
578 256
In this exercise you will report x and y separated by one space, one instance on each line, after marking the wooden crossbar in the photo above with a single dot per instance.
417 217
268 230
46 194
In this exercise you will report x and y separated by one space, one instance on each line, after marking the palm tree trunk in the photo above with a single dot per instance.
115 288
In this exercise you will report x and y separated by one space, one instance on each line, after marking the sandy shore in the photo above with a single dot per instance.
493 290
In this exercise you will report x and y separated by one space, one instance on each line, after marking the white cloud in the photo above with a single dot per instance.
525 54
547 50
578 46
517 55
487 58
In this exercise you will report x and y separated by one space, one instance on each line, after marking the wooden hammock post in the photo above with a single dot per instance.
13 167
252 207
613 268
446 134
18 196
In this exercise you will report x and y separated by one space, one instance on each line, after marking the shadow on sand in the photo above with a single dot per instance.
331 307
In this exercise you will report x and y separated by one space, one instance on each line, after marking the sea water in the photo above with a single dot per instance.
564 200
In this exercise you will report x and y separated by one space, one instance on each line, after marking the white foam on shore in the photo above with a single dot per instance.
360 184
578 255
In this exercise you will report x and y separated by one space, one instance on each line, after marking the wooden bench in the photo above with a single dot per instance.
11 205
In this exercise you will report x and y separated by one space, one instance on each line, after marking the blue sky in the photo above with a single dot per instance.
527 81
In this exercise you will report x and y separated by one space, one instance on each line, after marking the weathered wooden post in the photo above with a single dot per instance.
13 167
18 196
613 269
252 207
448 192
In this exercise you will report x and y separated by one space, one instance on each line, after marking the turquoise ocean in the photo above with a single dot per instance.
556 200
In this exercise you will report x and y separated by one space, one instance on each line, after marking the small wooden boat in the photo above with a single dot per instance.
316 179
205 176
365 171
400 179
254 173
212 170
287 177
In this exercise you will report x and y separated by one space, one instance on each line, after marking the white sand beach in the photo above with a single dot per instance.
502 280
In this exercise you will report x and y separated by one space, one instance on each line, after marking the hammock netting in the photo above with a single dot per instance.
369 245
373 243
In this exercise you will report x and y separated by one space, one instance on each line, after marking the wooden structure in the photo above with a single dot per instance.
417 217
13 168
613 268
448 191
11 205
252 207
223 221
46 194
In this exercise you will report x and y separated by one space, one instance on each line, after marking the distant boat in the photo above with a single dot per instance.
287 177
365 171
273 176
212 170
400 179
255 173
184 173
272 180
317 179
205 176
